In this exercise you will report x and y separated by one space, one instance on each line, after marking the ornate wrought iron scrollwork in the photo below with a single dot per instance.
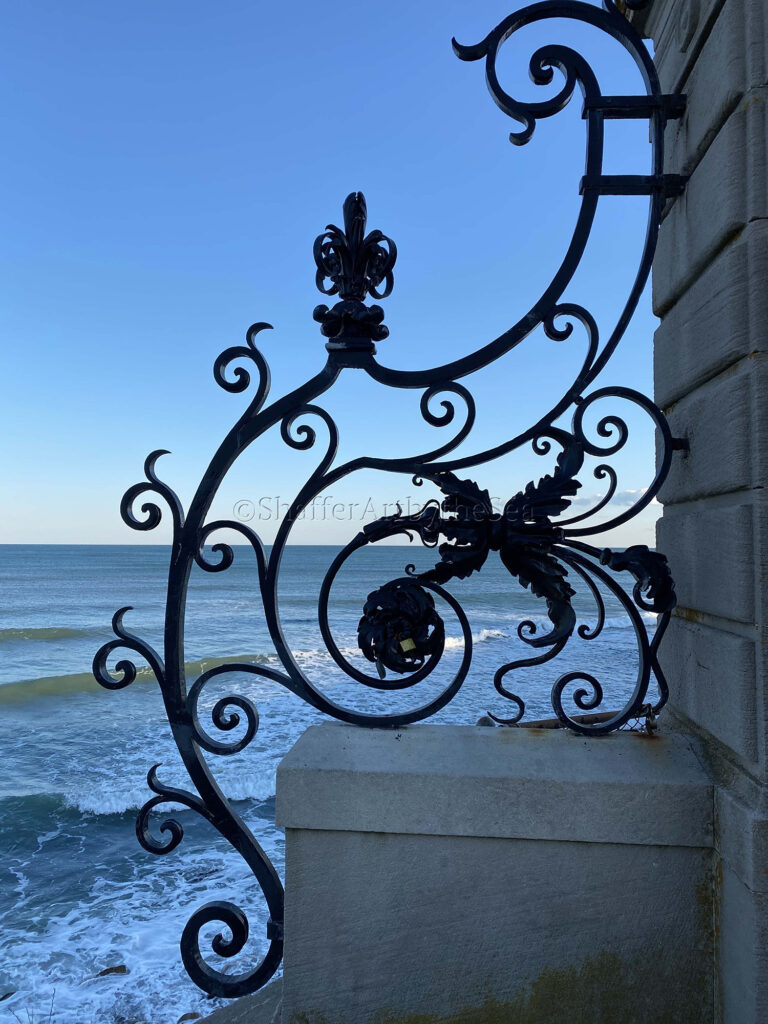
401 632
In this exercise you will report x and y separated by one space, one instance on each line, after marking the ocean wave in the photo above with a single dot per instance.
35 804
544 625
109 801
257 787
453 643
42 633
78 682
623 621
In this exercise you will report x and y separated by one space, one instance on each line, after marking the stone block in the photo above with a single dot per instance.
761 602
711 673
742 930
679 29
761 560
724 193
386 924
731 62
742 839
507 783
720 319
386 928
725 423
711 555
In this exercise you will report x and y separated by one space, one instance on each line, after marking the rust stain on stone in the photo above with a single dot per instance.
689 614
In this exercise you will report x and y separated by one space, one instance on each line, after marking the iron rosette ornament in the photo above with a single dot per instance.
542 545
400 627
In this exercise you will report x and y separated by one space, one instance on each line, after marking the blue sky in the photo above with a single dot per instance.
168 166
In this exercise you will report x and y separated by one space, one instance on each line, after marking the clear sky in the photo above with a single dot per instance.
167 168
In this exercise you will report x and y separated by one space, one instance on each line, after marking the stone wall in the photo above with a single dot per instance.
710 288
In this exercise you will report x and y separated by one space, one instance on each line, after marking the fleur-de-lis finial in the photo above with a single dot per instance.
357 265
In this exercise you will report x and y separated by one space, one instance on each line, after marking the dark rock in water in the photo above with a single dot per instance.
194 877
189 1016
485 720
117 969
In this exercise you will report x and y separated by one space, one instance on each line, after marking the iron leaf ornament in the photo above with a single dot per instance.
538 535
532 547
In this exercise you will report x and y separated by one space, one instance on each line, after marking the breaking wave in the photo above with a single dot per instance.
21 634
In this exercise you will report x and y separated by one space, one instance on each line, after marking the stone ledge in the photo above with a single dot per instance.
503 783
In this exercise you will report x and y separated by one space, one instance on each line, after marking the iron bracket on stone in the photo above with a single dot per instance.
670 105
667 185
542 536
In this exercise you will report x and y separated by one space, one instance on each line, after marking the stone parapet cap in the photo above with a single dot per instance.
501 783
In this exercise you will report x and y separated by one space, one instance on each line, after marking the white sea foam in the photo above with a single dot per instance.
453 643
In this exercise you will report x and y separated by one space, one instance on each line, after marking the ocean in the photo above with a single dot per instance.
79 896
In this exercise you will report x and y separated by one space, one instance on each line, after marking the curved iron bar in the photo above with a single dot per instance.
513 666
401 631
582 698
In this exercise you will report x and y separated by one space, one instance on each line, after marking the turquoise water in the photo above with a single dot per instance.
78 893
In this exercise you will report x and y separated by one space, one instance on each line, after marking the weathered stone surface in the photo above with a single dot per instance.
472 781
711 554
720 319
742 951
710 285
761 603
382 921
742 839
724 193
679 30
712 681
717 422
382 928
731 62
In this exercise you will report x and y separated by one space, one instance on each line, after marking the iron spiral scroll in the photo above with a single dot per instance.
401 631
